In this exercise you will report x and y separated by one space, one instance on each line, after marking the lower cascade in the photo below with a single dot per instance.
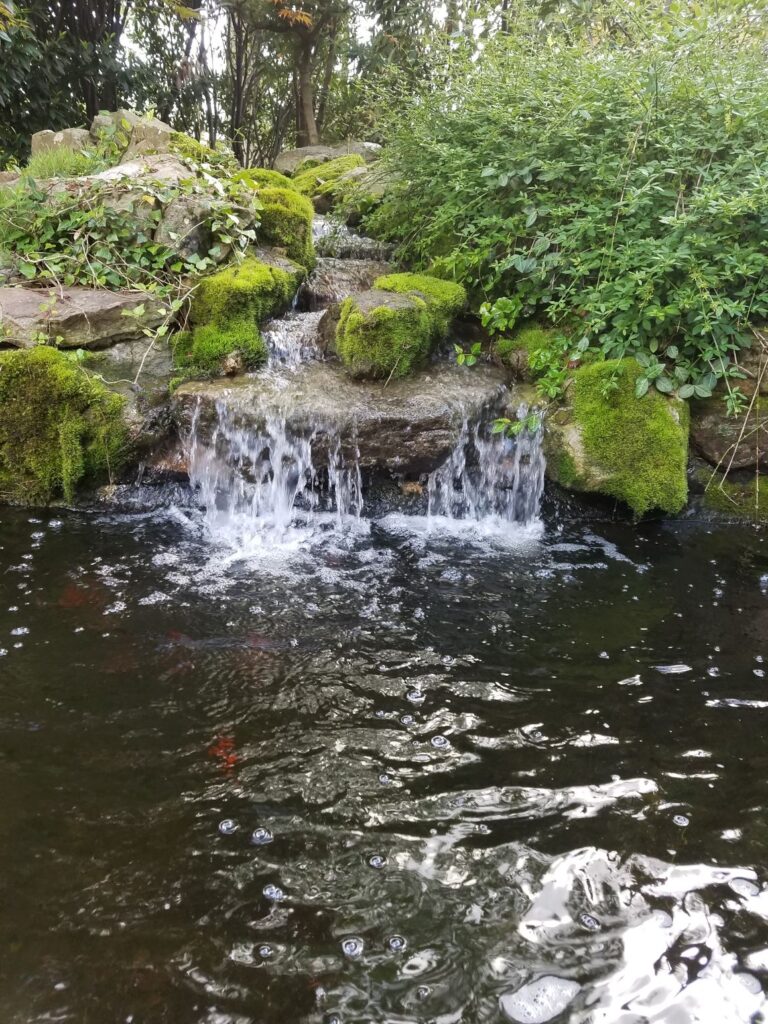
273 479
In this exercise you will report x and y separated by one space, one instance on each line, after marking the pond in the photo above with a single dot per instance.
394 774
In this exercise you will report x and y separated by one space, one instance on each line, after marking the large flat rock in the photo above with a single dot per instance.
407 426
290 160
73 317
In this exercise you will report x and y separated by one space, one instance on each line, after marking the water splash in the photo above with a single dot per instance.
489 475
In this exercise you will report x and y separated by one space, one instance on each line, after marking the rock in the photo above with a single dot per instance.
69 138
291 160
78 317
115 122
149 135
616 444
9 178
754 362
336 240
738 442
186 226
408 426
161 167
379 334
333 280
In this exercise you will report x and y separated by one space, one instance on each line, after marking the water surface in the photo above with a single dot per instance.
395 775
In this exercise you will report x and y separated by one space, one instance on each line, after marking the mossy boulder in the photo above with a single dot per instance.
382 334
444 299
226 310
736 497
515 353
322 180
59 427
261 177
610 442
286 222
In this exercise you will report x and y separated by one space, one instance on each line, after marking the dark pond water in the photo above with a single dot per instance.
383 778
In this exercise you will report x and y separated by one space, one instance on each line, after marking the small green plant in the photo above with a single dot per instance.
468 357
530 423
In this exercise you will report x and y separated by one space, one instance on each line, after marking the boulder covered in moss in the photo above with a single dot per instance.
226 310
736 495
292 160
608 441
321 180
261 177
286 222
733 442
515 352
444 299
60 427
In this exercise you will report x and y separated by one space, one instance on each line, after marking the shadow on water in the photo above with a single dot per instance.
390 775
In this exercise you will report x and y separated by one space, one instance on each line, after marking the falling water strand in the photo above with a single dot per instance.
257 482
490 475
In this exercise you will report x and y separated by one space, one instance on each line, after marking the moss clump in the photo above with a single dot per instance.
190 149
320 179
286 222
639 445
261 177
383 341
58 427
518 350
226 310
741 499
444 299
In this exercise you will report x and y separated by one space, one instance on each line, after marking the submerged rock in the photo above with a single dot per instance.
409 426
74 317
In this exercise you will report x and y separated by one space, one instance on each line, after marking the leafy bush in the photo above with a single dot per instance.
613 183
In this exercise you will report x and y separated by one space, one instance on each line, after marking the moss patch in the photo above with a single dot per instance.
517 351
225 313
740 499
261 177
444 299
311 181
190 149
383 340
286 222
59 427
638 446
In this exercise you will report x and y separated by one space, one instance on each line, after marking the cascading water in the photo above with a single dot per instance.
292 340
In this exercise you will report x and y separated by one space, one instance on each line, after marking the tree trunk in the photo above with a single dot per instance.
330 64
307 98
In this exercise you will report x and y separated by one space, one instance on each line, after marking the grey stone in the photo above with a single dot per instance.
408 426
290 161
148 136
69 138
80 317
186 226
730 442
333 280
754 363
9 178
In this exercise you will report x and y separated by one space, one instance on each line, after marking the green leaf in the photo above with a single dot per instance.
641 387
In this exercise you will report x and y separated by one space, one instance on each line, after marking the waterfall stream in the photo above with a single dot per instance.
263 476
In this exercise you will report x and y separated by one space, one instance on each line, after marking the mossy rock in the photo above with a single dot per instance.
516 352
261 177
737 498
314 180
220 161
286 222
381 334
610 442
59 427
444 299
226 310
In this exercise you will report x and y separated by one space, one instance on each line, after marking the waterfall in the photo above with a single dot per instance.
292 340
489 475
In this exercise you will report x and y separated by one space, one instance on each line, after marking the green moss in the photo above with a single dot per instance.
190 149
318 180
383 341
286 222
530 339
59 427
741 499
444 299
261 177
226 310
639 445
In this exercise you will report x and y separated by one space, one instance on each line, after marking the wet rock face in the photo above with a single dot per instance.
337 241
408 426
738 442
79 317
335 279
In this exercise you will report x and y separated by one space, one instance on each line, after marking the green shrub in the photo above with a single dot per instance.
383 341
286 222
261 177
319 179
59 427
609 182
444 299
639 447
